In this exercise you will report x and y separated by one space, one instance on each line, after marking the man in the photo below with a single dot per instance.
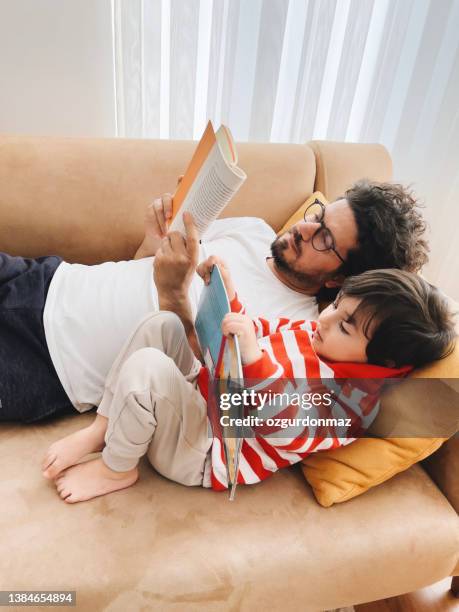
53 366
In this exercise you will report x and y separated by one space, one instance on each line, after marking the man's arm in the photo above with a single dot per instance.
174 266
181 306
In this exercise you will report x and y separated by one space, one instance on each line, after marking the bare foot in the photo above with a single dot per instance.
72 448
91 479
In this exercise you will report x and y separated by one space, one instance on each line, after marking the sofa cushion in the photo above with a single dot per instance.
340 164
346 472
298 215
85 198
160 545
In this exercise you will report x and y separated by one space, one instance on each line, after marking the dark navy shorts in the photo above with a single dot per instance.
30 389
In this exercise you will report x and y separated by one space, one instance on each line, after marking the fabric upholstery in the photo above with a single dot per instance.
84 199
340 164
160 545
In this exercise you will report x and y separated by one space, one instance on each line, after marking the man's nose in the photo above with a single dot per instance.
307 229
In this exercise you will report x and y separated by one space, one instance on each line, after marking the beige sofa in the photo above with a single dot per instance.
158 545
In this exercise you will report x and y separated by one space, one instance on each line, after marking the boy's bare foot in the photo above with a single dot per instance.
72 448
91 479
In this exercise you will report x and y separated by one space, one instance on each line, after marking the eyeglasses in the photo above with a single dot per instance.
322 239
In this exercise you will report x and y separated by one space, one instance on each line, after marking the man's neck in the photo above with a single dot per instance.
288 282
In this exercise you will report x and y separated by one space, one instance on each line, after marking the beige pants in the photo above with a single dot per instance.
152 405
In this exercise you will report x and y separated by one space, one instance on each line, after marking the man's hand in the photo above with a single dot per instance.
175 264
242 326
205 268
157 218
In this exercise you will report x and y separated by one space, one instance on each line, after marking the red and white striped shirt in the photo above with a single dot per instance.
289 360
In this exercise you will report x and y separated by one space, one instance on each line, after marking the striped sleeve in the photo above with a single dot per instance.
265 327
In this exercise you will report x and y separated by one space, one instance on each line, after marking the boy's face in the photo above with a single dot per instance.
339 335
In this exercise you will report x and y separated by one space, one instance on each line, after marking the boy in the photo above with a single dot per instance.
382 324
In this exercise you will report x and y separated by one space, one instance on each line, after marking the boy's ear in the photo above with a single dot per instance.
336 281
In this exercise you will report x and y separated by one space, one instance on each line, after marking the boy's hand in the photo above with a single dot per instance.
241 326
205 268
175 262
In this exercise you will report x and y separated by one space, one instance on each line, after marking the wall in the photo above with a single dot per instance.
56 67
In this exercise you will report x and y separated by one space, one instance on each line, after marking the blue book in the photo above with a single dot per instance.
223 360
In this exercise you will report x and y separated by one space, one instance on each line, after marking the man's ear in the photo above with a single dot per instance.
334 282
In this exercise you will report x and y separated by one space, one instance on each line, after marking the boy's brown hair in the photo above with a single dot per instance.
409 318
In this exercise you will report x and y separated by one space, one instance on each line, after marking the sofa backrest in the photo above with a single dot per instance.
85 199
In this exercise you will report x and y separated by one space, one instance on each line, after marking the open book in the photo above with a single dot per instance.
223 359
210 181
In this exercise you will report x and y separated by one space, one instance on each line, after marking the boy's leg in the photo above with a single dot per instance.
156 410
161 330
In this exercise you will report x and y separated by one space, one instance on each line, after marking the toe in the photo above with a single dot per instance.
71 499
52 471
49 458
64 493
60 484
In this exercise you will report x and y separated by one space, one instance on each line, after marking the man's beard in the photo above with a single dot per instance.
302 279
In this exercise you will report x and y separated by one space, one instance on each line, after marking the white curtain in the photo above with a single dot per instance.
294 70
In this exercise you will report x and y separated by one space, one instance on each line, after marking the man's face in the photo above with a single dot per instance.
297 260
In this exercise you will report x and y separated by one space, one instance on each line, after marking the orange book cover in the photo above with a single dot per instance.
200 155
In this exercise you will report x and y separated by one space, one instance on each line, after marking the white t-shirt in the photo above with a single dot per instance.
90 311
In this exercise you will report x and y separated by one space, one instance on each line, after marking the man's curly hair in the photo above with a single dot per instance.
390 229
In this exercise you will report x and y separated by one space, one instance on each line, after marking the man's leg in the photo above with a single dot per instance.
153 409
30 389
161 330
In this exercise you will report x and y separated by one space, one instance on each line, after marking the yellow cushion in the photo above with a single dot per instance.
299 214
341 474
338 475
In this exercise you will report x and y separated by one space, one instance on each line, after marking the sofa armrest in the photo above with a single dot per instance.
443 467
340 164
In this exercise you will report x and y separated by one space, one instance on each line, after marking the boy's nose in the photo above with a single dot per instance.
325 318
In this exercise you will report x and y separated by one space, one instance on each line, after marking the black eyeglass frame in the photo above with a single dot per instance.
322 228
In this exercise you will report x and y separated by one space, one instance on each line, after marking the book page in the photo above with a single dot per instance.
215 184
